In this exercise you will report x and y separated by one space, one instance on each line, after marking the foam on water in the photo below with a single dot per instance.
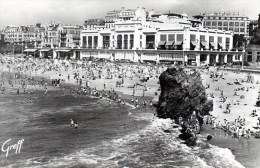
148 147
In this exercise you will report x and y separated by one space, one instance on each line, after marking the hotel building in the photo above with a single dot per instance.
253 54
239 24
24 34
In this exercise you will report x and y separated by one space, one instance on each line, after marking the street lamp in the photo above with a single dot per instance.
243 55
13 49
184 42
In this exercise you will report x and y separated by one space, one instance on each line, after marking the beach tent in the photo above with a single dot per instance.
79 62
258 103
56 62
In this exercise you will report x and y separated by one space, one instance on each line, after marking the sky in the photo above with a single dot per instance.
75 12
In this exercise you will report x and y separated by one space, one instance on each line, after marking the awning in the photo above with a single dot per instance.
194 43
178 43
161 42
204 43
45 49
63 50
169 42
30 50
213 44
221 44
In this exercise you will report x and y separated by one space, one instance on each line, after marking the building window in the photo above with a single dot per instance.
225 23
192 40
230 29
208 23
150 41
119 41
219 23
227 43
95 41
202 38
211 38
257 56
242 30
236 23
171 37
219 39
131 41
192 37
249 57
236 30
163 37
214 23
179 37
231 23
84 41
125 41
242 23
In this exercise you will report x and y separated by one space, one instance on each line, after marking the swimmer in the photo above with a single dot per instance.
76 125
71 122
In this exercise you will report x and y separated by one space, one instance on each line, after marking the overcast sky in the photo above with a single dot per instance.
25 12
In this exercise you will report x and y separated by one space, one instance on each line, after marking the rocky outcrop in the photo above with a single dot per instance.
181 94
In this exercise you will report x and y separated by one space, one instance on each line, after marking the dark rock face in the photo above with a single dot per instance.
181 94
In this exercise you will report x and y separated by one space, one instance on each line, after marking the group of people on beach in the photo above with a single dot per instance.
113 77
82 74
236 127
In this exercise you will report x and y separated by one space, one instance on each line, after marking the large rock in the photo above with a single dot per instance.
181 94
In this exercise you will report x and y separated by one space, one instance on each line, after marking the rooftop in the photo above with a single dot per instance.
221 14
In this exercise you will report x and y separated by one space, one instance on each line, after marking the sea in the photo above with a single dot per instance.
108 136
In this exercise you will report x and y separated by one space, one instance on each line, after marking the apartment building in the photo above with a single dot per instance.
228 21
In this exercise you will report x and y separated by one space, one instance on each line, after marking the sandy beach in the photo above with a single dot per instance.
132 74
242 104
127 81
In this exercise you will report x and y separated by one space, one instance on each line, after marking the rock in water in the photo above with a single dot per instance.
181 94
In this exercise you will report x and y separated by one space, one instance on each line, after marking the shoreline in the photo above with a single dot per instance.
125 92
245 150
152 85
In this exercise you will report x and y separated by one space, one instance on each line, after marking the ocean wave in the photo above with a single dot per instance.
148 147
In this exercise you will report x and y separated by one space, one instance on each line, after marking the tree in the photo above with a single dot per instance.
255 40
238 41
